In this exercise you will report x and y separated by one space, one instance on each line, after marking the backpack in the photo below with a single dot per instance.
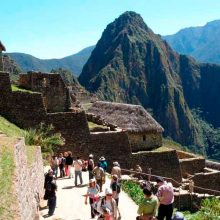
118 188
48 186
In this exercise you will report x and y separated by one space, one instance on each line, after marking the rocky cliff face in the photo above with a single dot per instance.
131 64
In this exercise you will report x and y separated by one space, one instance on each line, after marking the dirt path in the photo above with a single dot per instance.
71 206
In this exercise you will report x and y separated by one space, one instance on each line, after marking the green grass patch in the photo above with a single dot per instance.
133 190
10 129
93 125
7 167
168 143
16 88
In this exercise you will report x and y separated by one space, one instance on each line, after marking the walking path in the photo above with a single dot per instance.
71 202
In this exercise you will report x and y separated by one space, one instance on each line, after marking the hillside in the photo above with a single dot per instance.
73 63
131 64
200 42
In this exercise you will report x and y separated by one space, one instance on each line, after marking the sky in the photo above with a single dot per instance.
58 28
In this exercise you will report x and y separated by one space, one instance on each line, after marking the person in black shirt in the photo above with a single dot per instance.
50 193
69 163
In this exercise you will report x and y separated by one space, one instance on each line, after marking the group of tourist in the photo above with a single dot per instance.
104 205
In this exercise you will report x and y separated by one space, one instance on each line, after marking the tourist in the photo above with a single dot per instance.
107 206
47 177
138 171
178 216
54 163
103 163
50 194
61 165
99 175
165 195
148 206
65 155
116 170
116 188
90 166
69 163
78 170
93 194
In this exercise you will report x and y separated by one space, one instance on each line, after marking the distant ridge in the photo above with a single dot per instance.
73 63
203 43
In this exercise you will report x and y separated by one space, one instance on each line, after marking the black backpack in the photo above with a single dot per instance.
118 188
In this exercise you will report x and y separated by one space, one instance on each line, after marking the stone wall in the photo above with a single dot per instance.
26 109
29 181
74 128
113 145
145 141
164 163
184 154
207 180
55 92
192 165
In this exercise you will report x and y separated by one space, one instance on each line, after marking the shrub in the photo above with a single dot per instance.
45 137
133 190
210 210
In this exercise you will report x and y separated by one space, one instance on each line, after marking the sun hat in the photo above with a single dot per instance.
92 181
108 191
116 164
101 158
90 155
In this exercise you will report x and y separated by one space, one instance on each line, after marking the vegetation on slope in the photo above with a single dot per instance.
7 167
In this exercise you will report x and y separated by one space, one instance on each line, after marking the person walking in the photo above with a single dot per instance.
103 163
148 208
165 194
61 165
91 166
50 194
78 170
69 163
99 175
116 170
65 155
93 195
107 207
54 164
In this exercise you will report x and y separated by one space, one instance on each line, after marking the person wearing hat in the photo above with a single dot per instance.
148 207
116 170
91 166
93 195
99 175
103 163
165 195
107 206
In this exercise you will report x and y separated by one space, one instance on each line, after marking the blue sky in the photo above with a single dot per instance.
57 28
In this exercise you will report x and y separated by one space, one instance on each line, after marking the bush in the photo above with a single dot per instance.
210 210
133 190
45 137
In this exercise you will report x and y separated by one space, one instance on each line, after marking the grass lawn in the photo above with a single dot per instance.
7 167
16 88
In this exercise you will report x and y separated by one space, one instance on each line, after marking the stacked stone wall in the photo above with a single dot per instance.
114 146
74 128
26 109
28 182
207 181
192 165
162 163
55 92
145 141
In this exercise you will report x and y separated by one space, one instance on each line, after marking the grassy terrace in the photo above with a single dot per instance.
93 125
15 88
7 167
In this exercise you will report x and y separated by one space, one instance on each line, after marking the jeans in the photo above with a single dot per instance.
78 173
55 170
52 205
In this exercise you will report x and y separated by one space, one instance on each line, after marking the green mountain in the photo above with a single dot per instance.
73 63
131 64
200 42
